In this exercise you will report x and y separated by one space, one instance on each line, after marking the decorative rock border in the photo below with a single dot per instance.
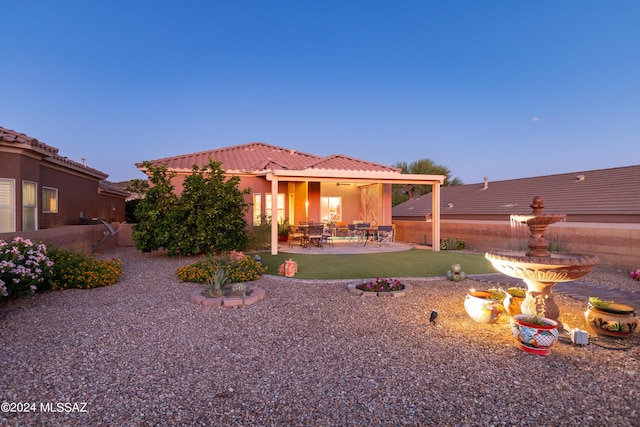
254 295
353 290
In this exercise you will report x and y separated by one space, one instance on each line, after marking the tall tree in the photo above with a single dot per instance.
402 193
207 217
156 211
213 210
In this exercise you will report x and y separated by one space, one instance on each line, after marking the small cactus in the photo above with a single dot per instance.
239 289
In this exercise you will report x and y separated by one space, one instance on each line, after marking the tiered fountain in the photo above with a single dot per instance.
538 268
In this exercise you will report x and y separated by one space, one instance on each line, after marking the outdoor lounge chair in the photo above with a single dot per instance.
385 235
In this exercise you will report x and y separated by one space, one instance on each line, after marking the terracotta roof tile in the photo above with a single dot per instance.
341 162
258 156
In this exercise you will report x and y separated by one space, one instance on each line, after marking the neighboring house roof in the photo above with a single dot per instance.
105 186
18 140
614 191
258 157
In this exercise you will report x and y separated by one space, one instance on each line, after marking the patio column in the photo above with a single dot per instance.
274 215
435 214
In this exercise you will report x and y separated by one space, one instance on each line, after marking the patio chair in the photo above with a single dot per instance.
352 232
363 232
315 235
327 235
295 236
385 235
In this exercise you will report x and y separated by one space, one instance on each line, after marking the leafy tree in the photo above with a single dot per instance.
404 192
212 212
156 212
207 217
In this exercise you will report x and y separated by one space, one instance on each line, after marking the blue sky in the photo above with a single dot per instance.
504 89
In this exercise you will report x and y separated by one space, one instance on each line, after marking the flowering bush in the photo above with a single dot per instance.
24 266
244 269
78 270
381 285
635 274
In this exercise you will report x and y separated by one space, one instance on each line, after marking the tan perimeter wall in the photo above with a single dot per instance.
615 244
81 238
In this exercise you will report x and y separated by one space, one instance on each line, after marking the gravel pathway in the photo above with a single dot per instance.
139 353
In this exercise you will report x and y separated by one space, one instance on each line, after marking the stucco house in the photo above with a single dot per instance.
602 208
40 189
296 186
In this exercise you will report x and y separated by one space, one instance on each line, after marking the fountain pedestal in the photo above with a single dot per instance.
538 268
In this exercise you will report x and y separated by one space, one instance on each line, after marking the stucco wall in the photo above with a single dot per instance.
614 244
77 237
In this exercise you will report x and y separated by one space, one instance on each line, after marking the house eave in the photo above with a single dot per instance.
334 175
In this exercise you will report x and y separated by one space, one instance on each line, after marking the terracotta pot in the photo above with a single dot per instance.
290 268
482 309
534 338
616 320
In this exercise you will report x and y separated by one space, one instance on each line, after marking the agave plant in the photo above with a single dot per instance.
217 281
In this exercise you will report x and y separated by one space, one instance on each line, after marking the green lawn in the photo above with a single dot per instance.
411 263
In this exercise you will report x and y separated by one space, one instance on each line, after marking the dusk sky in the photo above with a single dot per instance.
504 89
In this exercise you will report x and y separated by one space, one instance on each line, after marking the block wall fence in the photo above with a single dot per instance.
615 244
81 238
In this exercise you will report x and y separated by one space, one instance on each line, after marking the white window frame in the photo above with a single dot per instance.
32 208
46 200
257 209
269 208
7 205
331 208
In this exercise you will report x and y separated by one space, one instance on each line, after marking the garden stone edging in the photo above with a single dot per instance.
254 295
353 290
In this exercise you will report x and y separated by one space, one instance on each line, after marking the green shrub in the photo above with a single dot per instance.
76 270
207 217
451 244
240 270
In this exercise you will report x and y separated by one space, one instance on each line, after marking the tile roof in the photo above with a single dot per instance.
258 156
614 191
51 153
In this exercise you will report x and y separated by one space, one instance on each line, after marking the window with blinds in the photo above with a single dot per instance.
49 200
7 206
29 206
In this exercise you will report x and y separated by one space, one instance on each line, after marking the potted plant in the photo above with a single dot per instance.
283 230
484 306
610 319
535 334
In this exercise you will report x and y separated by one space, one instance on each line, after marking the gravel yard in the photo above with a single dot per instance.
139 353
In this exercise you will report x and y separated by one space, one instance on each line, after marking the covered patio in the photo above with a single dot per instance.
367 196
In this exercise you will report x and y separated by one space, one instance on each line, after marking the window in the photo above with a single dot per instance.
7 206
331 208
29 206
269 208
257 209
49 200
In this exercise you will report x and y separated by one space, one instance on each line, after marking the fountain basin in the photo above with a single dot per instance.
540 274
553 269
